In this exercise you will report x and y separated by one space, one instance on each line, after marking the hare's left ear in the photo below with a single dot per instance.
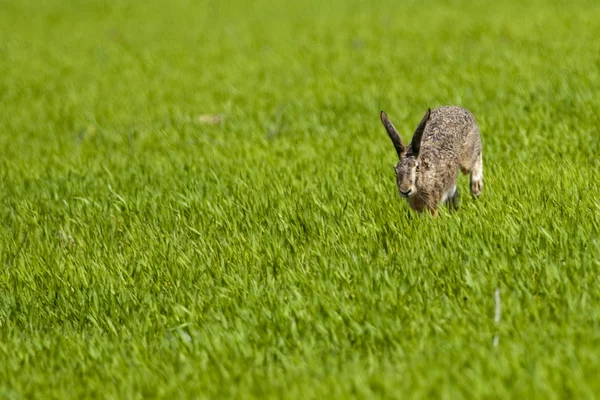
415 143
393 134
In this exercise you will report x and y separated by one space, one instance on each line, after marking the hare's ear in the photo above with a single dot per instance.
394 135
415 144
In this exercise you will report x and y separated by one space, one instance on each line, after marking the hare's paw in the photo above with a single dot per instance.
476 187
477 177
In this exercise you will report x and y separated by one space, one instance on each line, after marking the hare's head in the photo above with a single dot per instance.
408 167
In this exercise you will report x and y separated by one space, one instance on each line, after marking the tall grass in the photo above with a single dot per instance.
148 250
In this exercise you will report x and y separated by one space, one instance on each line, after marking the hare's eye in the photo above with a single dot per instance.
417 167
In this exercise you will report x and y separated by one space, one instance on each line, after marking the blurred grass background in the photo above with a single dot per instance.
147 253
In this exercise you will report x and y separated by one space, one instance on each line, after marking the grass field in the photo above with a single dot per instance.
147 252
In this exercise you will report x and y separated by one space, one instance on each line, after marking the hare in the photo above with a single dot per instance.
447 140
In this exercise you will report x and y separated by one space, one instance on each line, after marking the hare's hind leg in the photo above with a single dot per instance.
471 161
477 176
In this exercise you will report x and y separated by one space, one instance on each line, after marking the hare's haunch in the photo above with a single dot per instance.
445 142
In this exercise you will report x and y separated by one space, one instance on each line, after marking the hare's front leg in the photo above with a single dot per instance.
452 199
477 176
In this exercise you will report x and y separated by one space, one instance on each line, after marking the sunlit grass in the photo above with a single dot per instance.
151 250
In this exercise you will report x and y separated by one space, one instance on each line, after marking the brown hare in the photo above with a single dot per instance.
447 140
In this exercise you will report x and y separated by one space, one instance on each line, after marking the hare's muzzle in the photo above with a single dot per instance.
405 193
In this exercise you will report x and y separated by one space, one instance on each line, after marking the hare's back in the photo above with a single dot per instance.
447 123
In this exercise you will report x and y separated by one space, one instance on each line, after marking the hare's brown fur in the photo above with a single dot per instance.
446 141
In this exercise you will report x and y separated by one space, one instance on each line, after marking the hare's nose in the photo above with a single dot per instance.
409 191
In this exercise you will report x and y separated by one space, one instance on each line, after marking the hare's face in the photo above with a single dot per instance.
408 166
406 176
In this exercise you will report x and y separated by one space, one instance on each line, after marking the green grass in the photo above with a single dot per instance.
147 254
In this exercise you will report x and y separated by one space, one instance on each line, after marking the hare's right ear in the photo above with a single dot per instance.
415 143
394 135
